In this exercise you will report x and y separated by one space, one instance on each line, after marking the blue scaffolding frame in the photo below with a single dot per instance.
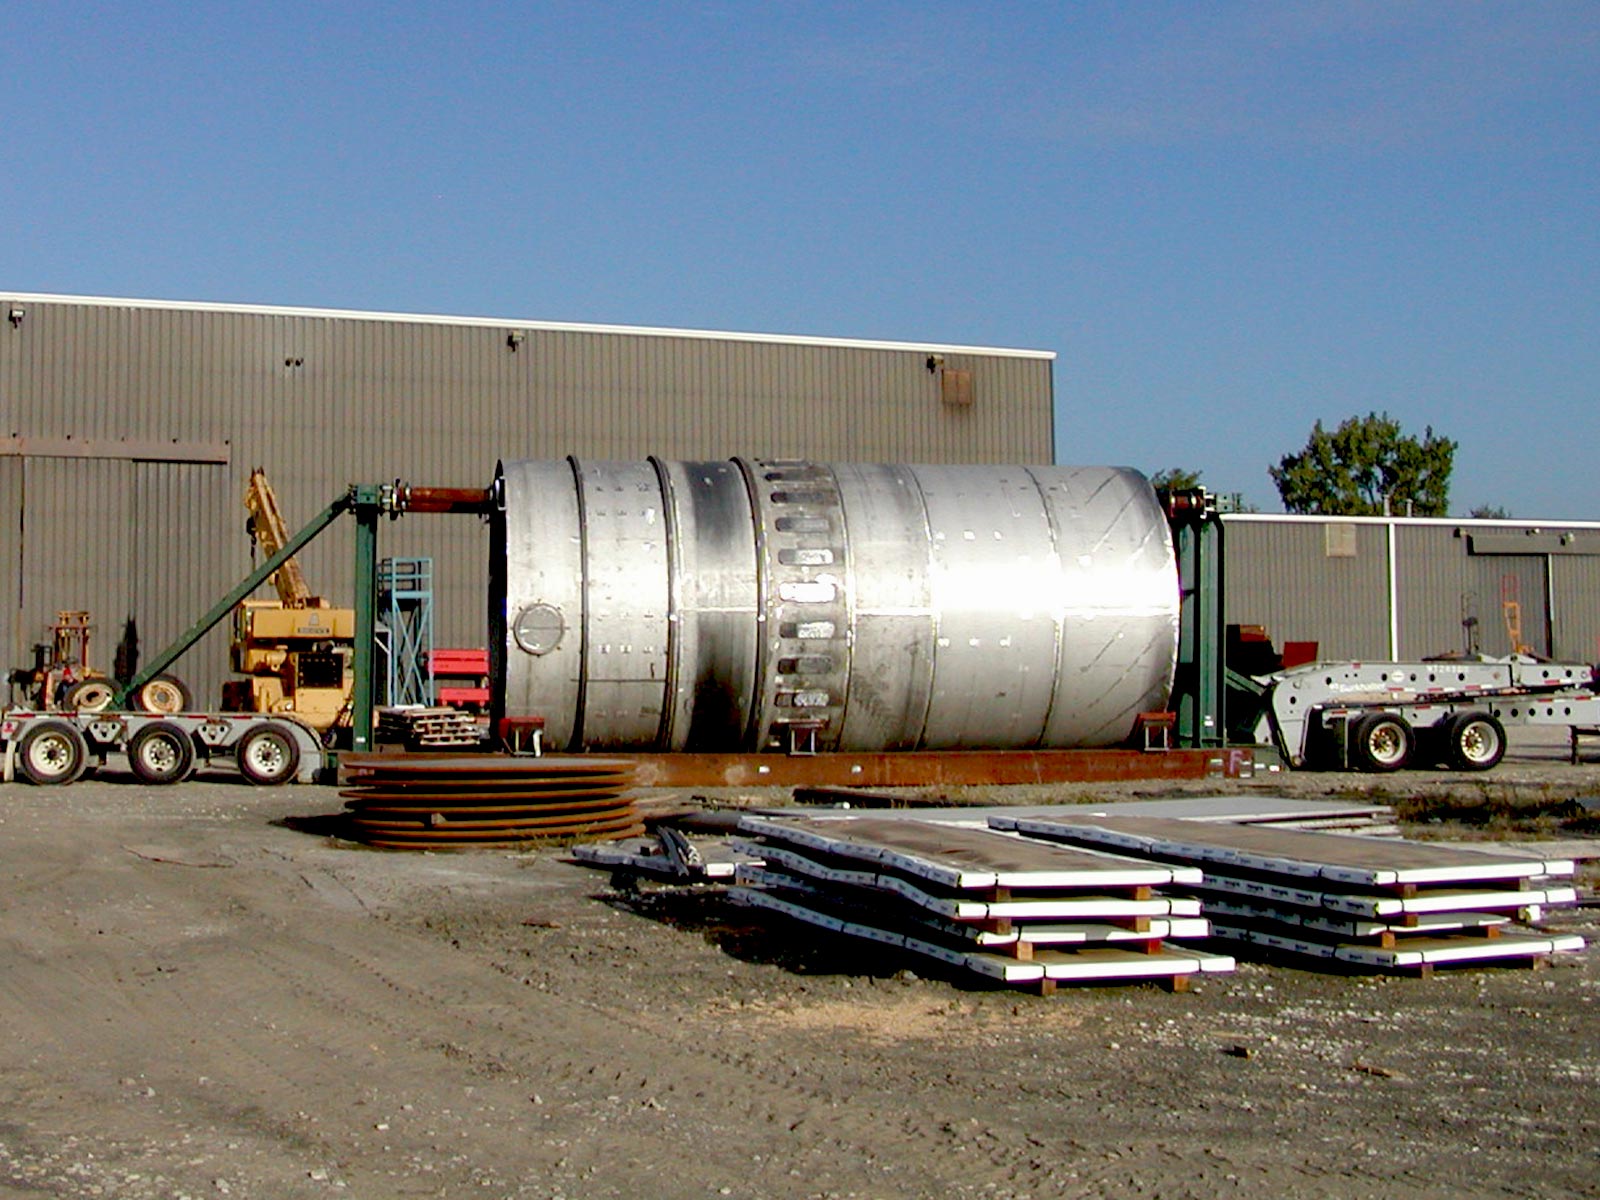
405 607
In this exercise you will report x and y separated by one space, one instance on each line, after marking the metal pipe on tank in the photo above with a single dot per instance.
723 606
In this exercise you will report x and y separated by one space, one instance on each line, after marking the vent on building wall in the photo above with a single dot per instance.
955 387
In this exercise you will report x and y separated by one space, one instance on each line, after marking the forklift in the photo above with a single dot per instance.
61 679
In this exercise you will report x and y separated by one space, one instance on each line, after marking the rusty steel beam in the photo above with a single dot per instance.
953 768
440 499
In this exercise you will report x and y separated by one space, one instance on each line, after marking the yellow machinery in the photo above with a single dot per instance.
297 650
61 679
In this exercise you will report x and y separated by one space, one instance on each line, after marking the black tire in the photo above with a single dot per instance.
52 753
268 755
1381 741
89 695
1473 741
164 694
162 753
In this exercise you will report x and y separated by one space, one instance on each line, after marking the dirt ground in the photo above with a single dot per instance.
201 1001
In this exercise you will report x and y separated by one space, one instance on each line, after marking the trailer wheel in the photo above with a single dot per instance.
90 695
268 756
1473 741
1381 741
161 753
163 694
52 752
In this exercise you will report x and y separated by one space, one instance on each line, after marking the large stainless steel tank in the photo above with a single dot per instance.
717 606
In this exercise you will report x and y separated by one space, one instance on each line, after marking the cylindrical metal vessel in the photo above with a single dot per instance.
755 605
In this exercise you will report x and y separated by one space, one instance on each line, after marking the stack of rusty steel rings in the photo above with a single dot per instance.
481 800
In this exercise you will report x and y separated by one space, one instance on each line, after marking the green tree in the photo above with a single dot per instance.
1175 479
1366 467
1490 512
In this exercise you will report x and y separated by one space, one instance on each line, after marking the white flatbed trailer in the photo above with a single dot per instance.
52 748
1382 716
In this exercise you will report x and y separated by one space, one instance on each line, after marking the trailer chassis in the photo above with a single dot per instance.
1387 715
53 748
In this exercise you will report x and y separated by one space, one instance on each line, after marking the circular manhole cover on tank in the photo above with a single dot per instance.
538 628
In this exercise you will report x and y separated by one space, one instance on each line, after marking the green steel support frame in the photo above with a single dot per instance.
369 502
1198 686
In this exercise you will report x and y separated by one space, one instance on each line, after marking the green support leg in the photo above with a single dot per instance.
1198 686
368 507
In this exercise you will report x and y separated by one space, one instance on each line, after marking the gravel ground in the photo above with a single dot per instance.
203 1001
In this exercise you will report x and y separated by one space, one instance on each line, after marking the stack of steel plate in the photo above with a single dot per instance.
406 802
1378 903
667 856
995 905
1334 816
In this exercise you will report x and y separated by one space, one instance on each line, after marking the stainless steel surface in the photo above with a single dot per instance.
544 578
1118 633
803 660
625 610
893 630
759 603
712 581
998 598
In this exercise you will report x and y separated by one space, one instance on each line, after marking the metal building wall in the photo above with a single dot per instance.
1374 588
129 428
1309 581
1449 599
1575 604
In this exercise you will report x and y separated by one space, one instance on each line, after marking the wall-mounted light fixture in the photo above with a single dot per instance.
16 314
514 340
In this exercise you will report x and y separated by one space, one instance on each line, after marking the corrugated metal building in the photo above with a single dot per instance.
1409 588
130 428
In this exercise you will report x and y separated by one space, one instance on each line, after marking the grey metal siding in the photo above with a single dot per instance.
1451 584
1575 607
1281 575
1452 601
1432 594
325 400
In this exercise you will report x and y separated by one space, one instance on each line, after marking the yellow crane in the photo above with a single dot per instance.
295 651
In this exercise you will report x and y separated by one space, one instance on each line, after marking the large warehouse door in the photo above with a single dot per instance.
141 546
16 641
72 552
189 548
1512 599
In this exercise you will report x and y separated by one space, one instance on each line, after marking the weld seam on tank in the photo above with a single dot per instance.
582 709
1060 614
665 732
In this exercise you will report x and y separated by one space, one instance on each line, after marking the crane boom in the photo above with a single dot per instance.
271 533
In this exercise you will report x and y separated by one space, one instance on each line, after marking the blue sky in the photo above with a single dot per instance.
1229 220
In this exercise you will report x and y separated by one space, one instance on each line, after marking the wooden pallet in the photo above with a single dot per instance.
428 728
